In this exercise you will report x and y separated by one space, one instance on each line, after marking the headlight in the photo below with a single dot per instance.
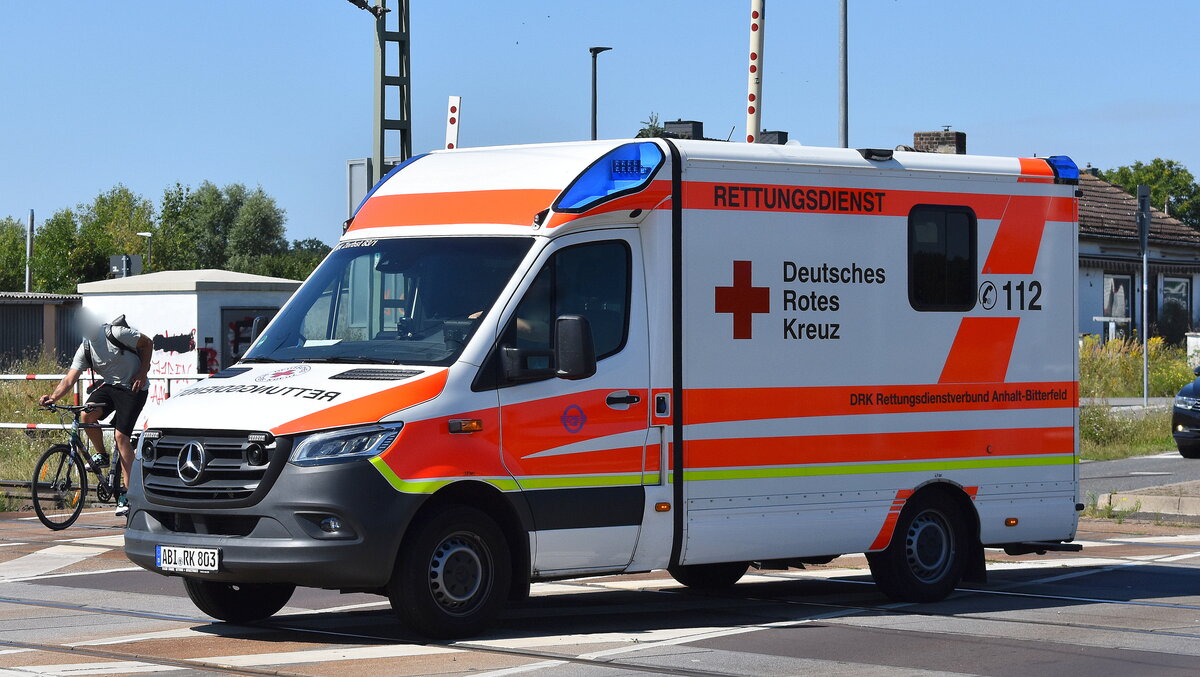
1186 402
345 445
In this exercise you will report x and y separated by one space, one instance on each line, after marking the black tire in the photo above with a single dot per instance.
1188 450
238 602
452 575
928 554
59 487
709 576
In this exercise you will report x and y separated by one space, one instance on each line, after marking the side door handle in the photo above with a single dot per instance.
621 399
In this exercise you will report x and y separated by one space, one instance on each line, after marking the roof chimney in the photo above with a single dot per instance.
944 141
684 129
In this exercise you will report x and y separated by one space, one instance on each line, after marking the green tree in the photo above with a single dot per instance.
651 128
1165 178
257 229
109 226
12 254
53 241
177 237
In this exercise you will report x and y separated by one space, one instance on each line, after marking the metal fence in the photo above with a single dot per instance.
80 387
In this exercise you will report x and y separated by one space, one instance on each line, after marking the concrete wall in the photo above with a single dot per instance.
211 325
167 318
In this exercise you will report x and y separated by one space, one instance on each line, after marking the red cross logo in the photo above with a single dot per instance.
743 299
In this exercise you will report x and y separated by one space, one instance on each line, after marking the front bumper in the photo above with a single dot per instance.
1189 420
279 539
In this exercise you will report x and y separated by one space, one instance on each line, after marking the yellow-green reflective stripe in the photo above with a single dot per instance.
568 481
918 466
428 486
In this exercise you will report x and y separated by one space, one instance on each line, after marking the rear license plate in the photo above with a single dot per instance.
190 560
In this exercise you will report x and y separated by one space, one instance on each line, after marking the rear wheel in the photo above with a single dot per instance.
928 553
58 488
238 602
1188 449
452 575
709 576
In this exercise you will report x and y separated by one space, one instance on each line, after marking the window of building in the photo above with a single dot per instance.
1118 296
1177 290
941 258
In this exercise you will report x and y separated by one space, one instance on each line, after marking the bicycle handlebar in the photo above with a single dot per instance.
71 408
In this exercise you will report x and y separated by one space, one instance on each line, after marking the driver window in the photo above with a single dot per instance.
591 280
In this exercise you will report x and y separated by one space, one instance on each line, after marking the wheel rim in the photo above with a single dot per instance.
460 573
57 492
929 546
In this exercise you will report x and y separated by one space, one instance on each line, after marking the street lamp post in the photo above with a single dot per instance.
595 52
149 247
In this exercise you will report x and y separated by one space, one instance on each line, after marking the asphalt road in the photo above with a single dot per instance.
1127 474
1129 604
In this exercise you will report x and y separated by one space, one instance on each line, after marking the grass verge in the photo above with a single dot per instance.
1104 435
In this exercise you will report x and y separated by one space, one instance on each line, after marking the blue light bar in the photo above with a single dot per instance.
1065 169
623 170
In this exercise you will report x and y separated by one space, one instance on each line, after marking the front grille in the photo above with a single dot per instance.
211 525
227 480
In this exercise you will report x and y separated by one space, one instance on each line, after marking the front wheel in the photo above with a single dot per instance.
238 602
452 575
59 486
928 552
1188 449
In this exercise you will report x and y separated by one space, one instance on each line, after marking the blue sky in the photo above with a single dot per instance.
278 93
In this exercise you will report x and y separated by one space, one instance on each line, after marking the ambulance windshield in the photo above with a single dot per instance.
397 301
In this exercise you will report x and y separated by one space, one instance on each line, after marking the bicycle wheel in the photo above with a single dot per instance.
59 487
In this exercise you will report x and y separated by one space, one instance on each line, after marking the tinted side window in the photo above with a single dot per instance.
591 280
941 258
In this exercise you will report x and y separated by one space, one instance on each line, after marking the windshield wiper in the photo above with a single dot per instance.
260 360
352 359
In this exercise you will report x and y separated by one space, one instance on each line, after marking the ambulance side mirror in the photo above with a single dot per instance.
574 352
256 327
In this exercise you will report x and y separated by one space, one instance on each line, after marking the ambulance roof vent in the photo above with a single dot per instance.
623 170
876 154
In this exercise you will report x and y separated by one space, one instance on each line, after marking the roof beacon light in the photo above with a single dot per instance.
1065 169
623 170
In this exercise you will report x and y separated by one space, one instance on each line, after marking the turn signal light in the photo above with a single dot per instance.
662 507
1010 521
465 425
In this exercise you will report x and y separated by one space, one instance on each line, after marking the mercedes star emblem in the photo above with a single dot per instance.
192 460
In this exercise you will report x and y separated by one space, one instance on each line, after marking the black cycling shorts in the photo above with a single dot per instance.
124 401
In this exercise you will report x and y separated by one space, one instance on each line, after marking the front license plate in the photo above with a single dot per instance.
190 560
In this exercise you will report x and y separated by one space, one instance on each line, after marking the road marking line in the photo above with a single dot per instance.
114 541
210 632
240 661
334 609
46 560
82 514
75 573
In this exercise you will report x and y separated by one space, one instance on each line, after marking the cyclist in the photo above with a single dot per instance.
120 355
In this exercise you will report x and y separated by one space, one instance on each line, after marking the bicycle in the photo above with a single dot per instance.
60 481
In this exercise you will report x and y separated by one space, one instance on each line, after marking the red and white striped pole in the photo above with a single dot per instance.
453 115
754 96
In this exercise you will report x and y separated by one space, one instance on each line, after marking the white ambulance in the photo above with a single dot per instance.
536 362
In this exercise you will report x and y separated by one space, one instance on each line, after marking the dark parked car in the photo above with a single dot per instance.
1185 419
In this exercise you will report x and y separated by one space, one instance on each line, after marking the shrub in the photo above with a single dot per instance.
1114 369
